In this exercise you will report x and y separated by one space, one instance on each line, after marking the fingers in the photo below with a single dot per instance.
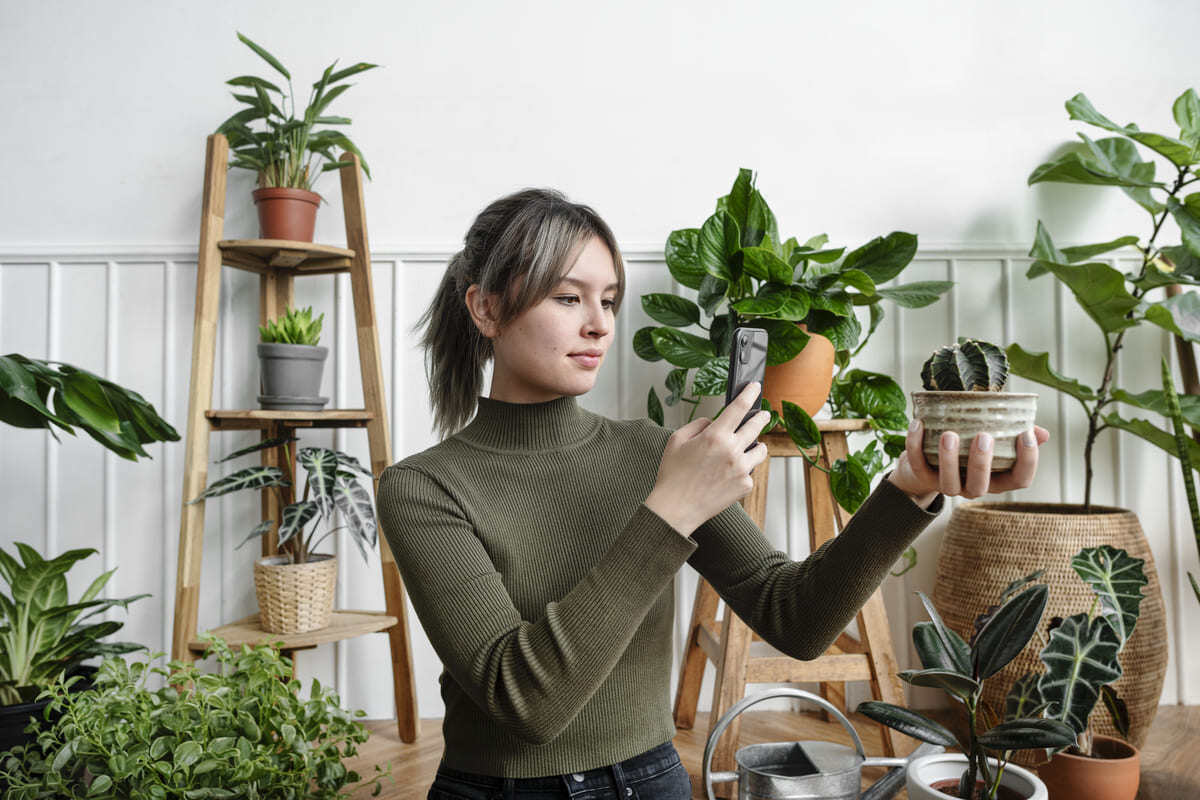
979 466
733 413
1023 470
949 480
914 445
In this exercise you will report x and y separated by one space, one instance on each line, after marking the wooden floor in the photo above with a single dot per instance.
1170 760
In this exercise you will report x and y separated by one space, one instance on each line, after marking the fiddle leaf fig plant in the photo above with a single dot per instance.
332 484
283 153
745 274
1113 299
242 732
960 668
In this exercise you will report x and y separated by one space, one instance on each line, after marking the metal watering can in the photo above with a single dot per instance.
796 770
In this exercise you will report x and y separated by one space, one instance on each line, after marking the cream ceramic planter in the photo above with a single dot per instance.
1005 415
925 771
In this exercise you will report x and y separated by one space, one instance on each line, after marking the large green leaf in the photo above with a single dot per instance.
1152 434
1189 224
1178 152
1024 699
84 395
294 517
917 294
257 446
770 298
1080 657
711 379
256 477
872 394
962 664
849 482
1100 291
1086 251
1027 734
884 257
681 348
719 239
17 382
643 344
1117 579
1179 315
683 260
1186 110
671 309
961 686
1036 367
358 510
1153 400
321 464
785 340
932 650
270 59
800 426
910 723
1005 634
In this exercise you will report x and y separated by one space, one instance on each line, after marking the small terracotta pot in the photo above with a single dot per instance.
1005 415
805 379
286 213
1112 773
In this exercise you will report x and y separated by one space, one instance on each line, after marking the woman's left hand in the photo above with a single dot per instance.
915 476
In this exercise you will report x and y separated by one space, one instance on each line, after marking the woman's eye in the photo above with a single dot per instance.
567 297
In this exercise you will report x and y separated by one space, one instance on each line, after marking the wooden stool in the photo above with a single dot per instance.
867 658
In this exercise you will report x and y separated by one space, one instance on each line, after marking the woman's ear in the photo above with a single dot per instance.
481 307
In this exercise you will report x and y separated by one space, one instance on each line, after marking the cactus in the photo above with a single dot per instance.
971 365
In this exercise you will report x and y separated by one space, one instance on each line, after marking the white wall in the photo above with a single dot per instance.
860 118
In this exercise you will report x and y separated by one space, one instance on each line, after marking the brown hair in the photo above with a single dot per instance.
519 248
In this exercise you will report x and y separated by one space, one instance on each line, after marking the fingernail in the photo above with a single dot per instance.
952 441
1027 439
912 426
983 441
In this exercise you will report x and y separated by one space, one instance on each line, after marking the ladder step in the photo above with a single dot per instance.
267 256
342 625
249 419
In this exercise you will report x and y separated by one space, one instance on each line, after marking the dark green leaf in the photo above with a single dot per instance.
681 348
711 379
683 259
916 295
850 483
256 477
883 258
1118 711
1024 699
1080 657
1117 579
643 344
907 722
952 681
1005 634
1036 367
1027 734
931 649
261 445
962 665
800 426
719 239
654 408
670 309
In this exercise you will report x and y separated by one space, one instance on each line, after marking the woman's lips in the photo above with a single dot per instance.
586 360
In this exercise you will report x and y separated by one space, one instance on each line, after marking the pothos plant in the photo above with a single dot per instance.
745 274
331 486
1115 300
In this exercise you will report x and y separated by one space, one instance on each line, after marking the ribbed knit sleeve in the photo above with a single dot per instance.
531 677
800 607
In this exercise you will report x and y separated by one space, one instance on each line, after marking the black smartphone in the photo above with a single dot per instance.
747 362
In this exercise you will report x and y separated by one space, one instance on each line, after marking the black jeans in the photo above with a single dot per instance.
656 774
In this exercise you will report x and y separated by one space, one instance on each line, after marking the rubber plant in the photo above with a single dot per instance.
1116 300
960 668
745 274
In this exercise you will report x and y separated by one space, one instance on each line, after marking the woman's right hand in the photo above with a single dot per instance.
705 466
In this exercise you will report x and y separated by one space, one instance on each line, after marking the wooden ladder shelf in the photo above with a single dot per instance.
277 263
726 642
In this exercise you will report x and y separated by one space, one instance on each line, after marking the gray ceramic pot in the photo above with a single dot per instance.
1005 415
291 376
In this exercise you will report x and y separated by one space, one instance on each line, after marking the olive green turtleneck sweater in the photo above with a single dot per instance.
544 583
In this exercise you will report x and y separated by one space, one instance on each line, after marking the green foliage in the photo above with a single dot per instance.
1115 300
243 732
296 326
960 669
1183 447
969 365
283 153
118 418
744 274
43 635
332 483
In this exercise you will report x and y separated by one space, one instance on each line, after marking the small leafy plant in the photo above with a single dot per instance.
332 484
296 326
43 635
746 274
969 365
243 732
120 419
960 669
282 155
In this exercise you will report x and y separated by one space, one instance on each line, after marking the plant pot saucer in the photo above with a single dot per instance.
285 403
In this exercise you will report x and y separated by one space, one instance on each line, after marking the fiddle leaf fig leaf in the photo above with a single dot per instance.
1036 367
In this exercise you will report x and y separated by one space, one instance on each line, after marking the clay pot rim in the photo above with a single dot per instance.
953 393
282 560
1134 753
286 191
1026 509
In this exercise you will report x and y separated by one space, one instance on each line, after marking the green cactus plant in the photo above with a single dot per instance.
970 365
294 327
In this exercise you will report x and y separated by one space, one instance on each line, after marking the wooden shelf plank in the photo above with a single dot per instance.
342 625
267 256
250 419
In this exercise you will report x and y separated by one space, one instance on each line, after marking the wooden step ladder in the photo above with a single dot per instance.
727 642
277 263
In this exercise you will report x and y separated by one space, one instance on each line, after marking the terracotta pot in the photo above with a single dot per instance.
989 544
1005 415
286 213
1112 773
804 380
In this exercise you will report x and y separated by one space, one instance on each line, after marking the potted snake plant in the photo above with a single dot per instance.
292 362
295 589
282 155
964 392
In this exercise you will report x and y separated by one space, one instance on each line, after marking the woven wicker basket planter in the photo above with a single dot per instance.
295 598
987 545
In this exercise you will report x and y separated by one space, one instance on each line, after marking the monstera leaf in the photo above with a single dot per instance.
1117 579
1080 657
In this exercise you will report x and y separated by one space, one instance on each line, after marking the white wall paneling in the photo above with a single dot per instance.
127 313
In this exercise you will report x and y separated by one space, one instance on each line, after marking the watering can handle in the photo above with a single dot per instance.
741 705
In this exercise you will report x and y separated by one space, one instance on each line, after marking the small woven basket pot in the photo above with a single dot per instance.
295 598
988 545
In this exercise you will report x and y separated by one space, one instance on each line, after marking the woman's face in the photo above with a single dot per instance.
538 356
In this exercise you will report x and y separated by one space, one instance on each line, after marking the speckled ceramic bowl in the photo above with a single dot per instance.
1005 415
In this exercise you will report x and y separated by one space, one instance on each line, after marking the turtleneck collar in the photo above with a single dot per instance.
501 425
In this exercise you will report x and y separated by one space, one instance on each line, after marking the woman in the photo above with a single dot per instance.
539 542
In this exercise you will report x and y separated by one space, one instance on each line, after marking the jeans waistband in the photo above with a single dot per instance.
634 769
